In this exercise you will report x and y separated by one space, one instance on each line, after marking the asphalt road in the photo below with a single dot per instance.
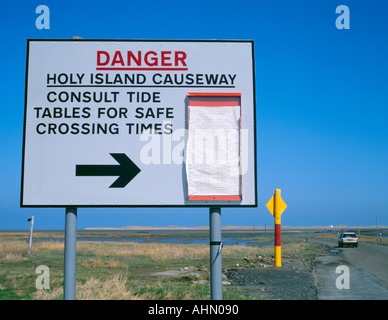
353 273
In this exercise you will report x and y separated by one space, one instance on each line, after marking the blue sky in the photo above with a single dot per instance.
322 103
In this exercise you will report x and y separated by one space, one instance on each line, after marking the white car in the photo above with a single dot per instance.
348 239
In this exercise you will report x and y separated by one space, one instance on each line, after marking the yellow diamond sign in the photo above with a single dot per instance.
281 205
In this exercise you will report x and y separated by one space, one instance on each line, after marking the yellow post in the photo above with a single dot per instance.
276 206
277 213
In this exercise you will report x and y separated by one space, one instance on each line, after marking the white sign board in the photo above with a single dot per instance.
139 123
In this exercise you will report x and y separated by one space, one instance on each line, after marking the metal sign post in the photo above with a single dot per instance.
31 229
215 254
70 253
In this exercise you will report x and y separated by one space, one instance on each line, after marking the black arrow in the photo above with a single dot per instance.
126 170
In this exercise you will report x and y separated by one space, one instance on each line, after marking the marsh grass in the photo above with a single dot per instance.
151 251
119 270
374 239
14 247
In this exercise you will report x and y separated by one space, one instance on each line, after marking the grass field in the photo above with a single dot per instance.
122 270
